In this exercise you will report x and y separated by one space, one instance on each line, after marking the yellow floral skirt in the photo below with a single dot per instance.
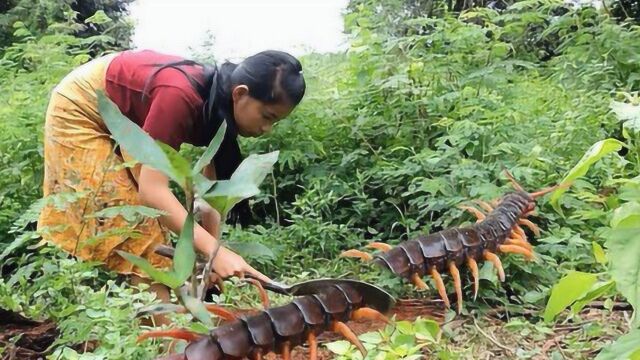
85 174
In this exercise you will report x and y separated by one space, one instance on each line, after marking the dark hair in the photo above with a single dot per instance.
271 76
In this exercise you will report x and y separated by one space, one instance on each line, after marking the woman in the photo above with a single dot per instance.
175 101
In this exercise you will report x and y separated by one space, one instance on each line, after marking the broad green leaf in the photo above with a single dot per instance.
340 347
185 255
196 308
255 167
227 193
598 253
180 165
595 153
371 337
131 213
160 276
626 216
211 150
569 289
628 113
134 140
201 184
622 349
251 250
426 329
99 18
624 264
597 290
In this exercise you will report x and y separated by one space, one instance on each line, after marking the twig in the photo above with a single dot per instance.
492 339
555 340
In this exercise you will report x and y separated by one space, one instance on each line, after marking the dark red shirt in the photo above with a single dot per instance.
171 111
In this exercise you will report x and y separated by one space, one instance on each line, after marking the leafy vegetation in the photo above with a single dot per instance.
420 115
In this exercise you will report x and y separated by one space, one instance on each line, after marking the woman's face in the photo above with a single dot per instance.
254 117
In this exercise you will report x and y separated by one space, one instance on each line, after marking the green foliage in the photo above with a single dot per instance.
570 288
400 340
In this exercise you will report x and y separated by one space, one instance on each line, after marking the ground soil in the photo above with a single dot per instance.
23 338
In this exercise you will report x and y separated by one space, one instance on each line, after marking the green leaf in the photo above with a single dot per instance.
371 337
180 165
19 241
626 216
622 349
201 184
624 264
569 289
340 347
595 153
160 276
99 18
251 250
426 329
196 308
227 193
134 140
598 253
185 255
629 114
597 290
211 150
243 183
131 213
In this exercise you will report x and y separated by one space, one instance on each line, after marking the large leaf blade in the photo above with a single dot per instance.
185 255
211 150
622 349
570 288
160 276
595 153
133 139
624 264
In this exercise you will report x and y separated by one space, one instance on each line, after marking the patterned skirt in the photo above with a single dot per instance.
84 174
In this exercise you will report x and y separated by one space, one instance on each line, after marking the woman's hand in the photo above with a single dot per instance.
227 263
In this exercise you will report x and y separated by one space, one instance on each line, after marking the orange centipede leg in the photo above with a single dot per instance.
181 334
473 266
519 242
257 354
518 230
457 283
369 314
264 297
221 312
477 213
440 286
313 346
533 227
357 254
342 329
418 282
484 205
380 246
515 249
286 350
495 260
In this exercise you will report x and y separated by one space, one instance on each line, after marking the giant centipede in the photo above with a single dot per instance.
496 231
282 328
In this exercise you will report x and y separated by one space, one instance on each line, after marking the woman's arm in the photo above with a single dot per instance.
155 192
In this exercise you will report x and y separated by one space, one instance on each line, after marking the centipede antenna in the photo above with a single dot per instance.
513 180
